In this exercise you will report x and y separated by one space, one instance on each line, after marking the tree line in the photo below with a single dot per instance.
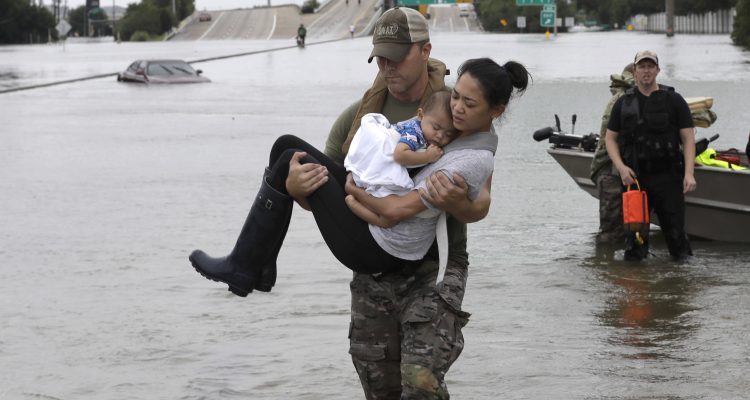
609 14
22 22
501 15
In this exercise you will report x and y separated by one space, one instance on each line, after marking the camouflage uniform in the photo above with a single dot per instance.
405 332
605 175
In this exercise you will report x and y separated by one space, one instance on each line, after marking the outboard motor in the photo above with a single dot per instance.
564 140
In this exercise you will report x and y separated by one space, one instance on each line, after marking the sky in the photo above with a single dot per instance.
199 4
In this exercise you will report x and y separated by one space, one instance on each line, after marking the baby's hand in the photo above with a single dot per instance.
433 153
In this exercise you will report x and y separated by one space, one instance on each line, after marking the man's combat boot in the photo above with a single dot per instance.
252 262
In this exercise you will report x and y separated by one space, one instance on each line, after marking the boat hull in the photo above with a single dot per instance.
719 208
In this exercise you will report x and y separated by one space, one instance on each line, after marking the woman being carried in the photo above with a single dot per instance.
481 94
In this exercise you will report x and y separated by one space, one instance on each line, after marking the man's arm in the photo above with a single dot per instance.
453 198
687 135
627 175
304 179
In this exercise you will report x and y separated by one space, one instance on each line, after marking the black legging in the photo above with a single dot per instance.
346 235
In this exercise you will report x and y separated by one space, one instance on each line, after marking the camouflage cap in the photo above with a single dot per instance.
646 55
395 32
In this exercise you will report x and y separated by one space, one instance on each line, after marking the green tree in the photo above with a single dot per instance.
76 20
21 22
619 11
685 7
490 12
99 22
153 18
309 6
143 17
741 32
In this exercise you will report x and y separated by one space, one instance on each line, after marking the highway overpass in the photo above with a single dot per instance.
331 21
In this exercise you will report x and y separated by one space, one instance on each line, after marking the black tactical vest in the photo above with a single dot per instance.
649 139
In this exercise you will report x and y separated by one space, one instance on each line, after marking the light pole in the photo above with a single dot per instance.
114 22
669 11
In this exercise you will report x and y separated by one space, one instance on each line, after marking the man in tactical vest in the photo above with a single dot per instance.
405 333
650 137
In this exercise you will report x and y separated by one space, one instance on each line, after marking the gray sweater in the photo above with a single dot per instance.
471 157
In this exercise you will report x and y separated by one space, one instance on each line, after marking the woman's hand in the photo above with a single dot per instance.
444 194
453 197
303 179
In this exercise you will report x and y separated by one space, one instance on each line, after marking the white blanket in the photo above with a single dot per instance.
370 159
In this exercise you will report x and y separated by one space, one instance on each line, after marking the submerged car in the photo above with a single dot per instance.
161 71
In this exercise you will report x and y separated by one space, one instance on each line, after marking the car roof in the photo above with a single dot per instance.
165 61
159 60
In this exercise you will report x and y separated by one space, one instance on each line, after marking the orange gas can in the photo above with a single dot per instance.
635 208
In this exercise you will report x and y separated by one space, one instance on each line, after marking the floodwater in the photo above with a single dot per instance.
106 187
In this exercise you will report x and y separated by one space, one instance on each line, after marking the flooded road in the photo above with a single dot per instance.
106 187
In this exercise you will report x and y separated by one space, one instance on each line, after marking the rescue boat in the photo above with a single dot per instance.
719 208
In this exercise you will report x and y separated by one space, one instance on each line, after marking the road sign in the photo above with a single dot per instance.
521 21
547 19
534 2
63 27
549 7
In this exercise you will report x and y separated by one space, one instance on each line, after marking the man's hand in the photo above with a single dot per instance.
688 183
627 175
304 179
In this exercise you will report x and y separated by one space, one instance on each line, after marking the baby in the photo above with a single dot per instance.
381 152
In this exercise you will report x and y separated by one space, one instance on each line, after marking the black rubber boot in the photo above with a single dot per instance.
636 245
250 263
268 272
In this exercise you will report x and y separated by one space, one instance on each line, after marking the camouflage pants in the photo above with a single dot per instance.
609 188
403 336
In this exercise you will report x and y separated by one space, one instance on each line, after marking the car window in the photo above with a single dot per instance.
170 68
182 68
155 69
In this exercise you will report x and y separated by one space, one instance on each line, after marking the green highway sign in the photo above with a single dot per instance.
549 7
547 19
534 2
